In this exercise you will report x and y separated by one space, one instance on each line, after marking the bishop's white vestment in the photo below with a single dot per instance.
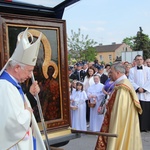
17 126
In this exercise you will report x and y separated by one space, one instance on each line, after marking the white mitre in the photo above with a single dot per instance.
25 52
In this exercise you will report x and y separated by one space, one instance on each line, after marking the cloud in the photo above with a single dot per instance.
83 28
146 14
97 22
99 29
92 30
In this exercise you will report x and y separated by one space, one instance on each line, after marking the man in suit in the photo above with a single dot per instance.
72 76
95 66
79 72
85 68
103 77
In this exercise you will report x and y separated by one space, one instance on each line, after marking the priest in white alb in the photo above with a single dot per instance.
139 76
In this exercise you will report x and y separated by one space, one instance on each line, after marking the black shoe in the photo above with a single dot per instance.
143 130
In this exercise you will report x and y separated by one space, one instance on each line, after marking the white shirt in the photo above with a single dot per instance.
141 78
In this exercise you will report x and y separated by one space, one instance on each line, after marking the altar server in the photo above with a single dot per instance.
139 76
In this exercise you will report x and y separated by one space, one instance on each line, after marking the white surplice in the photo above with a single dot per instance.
95 119
15 121
141 78
79 115
88 82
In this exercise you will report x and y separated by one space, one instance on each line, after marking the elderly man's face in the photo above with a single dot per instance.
24 73
113 74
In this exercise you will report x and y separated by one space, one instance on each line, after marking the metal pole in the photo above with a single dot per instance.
41 115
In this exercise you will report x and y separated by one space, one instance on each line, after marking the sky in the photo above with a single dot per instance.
108 21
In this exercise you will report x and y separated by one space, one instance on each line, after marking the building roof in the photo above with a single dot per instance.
107 48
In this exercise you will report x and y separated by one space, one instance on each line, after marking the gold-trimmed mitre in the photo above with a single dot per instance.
25 51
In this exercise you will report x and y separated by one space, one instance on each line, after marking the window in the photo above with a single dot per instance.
110 57
101 58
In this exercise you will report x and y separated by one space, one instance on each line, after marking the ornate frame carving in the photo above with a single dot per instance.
53 54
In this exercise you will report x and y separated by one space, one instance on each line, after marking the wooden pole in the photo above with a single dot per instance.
41 116
94 133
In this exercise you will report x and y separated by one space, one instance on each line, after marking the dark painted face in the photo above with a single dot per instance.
50 71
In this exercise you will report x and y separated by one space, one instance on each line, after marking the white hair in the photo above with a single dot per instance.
13 63
119 67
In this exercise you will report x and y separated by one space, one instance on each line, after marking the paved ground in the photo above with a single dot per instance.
87 142
146 140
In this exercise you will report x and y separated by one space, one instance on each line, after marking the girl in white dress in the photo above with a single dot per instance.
78 106
72 89
88 81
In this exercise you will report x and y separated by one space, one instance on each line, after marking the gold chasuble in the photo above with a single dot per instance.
122 119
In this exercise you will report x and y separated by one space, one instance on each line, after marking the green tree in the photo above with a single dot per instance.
80 46
89 54
129 41
142 42
139 42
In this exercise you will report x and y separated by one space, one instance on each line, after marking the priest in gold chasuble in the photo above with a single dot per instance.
121 117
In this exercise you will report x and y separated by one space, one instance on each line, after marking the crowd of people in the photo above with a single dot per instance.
107 98
91 77
126 89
